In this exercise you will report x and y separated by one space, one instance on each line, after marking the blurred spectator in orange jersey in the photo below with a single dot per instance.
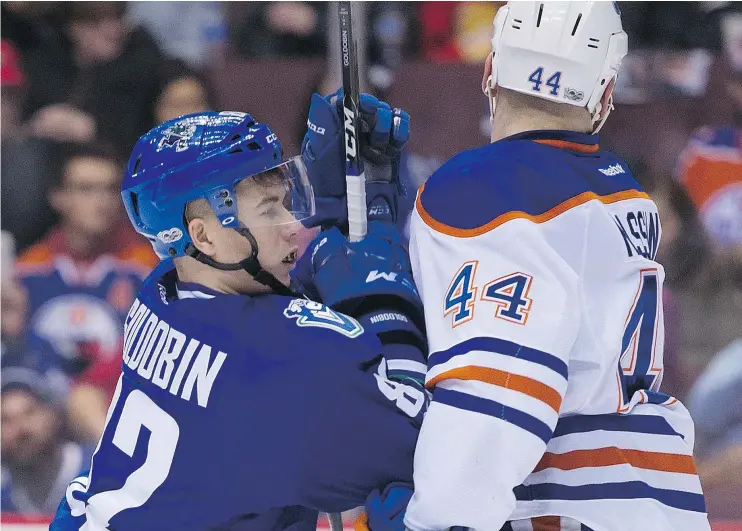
710 170
81 279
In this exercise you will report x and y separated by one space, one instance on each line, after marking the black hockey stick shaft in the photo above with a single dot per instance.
355 179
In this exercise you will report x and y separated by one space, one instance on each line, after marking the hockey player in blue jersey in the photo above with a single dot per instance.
242 405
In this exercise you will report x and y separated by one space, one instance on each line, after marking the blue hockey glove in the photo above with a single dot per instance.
370 280
384 133
385 510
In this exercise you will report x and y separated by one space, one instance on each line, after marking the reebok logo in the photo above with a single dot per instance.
613 169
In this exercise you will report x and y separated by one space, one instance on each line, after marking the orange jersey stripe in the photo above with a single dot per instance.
38 254
142 254
361 522
573 146
561 208
608 456
704 176
547 523
522 384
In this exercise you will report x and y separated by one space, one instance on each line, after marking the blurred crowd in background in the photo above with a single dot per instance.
82 81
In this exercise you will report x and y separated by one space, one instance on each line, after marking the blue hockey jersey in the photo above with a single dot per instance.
243 413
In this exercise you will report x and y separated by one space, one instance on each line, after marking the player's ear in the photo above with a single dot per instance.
487 72
201 236
607 94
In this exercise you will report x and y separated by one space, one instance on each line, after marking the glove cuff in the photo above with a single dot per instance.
393 326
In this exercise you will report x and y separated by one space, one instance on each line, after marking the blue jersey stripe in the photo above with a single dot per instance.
500 346
628 490
652 424
494 409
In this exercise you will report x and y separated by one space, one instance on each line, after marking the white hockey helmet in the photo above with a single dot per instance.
567 52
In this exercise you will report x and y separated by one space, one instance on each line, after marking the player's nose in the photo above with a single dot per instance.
290 230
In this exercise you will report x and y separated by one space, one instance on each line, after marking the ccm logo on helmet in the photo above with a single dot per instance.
170 235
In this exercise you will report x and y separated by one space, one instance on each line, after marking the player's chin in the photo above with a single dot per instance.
282 272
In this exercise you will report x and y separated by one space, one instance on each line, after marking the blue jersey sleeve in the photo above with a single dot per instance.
348 427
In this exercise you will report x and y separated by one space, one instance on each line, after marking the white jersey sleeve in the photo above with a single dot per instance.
498 371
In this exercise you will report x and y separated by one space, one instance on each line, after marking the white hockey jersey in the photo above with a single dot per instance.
534 256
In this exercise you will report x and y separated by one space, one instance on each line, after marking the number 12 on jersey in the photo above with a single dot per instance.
138 413
509 294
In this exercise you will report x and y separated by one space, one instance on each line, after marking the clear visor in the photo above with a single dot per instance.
277 196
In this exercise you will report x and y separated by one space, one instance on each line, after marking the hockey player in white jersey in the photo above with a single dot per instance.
535 259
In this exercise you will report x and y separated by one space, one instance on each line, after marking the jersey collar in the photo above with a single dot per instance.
192 290
570 140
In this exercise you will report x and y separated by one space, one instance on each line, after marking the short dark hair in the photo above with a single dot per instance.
66 152
174 69
72 12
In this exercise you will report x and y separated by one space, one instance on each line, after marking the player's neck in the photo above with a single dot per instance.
82 246
505 128
512 120
228 282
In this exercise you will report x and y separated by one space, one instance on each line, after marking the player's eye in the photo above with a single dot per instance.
270 212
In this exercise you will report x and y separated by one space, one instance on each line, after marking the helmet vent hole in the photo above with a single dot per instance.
253 146
235 137
251 123
137 164
134 203
591 45
577 23
517 23
540 12
234 150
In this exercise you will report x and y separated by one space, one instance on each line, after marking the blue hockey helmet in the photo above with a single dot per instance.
203 156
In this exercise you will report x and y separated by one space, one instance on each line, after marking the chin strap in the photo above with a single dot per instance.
249 264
